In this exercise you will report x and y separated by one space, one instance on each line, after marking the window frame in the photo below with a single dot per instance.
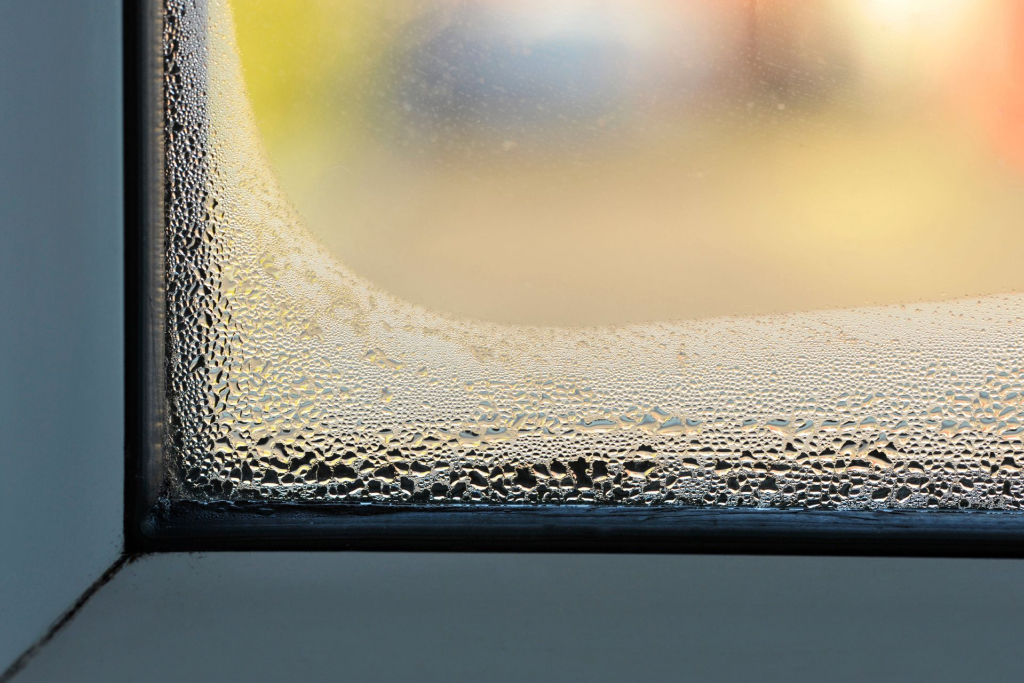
153 524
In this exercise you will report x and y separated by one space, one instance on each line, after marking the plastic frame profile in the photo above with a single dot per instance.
153 524
145 335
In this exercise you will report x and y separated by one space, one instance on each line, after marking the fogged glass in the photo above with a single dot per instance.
718 252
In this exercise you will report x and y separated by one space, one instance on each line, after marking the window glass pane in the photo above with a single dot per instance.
603 251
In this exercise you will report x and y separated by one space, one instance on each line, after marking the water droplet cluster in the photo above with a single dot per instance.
293 379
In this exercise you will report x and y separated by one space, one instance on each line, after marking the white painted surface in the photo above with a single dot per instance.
61 332
470 617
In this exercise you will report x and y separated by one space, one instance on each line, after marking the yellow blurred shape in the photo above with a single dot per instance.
593 161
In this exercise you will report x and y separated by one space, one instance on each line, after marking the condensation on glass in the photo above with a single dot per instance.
687 252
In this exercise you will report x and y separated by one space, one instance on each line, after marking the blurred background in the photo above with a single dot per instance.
603 161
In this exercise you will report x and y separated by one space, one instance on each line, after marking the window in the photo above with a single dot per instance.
700 273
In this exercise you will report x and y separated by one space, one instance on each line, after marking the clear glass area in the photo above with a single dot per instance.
559 162
710 252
